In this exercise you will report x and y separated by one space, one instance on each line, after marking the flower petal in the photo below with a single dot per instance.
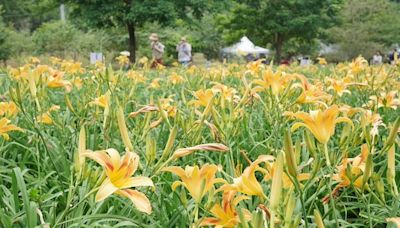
139 199
105 190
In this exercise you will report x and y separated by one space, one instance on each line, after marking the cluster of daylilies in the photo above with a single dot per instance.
236 145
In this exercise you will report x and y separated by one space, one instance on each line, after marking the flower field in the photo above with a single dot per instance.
230 146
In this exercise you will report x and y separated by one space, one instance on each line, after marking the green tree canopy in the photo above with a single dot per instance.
278 21
133 14
367 26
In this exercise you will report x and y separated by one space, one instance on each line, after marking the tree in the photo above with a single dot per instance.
278 21
133 14
367 26
29 14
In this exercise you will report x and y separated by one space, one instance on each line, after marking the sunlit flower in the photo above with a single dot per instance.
197 181
275 81
119 171
320 123
225 214
6 127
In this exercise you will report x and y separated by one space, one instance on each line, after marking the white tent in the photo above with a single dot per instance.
244 47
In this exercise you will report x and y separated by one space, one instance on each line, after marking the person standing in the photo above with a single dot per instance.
157 49
377 58
184 50
393 57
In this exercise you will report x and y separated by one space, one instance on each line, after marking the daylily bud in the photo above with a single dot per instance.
310 143
80 160
380 188
393 133
170 143
150 149
123 130
257 219
318 219
289 155
276 188
391 171
368 169
291 204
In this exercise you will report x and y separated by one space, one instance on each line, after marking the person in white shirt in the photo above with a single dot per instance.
377 58
184 50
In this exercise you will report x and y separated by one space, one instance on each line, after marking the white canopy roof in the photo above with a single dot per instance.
245 46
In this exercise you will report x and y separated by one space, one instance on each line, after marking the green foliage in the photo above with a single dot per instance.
60 38
367 26
29 14
277 22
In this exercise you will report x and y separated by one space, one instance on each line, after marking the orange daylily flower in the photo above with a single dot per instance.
387 100
56 81
198 181
276 81
357 167
225 214
5 127
119 171
320 123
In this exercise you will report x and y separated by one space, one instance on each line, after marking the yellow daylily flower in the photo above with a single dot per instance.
312 93
247 183
227 93
395 220
102 101
225 214
322 61
56 81
320 123
276 81
204 97
5 127
136 76
198 181
155 84
45 118
175 78
119 171
122 60
387 100
357 168
8 109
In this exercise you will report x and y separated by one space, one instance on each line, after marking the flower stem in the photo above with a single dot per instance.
328 161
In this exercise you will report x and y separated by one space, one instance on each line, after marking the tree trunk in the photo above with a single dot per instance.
278 47
132 41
